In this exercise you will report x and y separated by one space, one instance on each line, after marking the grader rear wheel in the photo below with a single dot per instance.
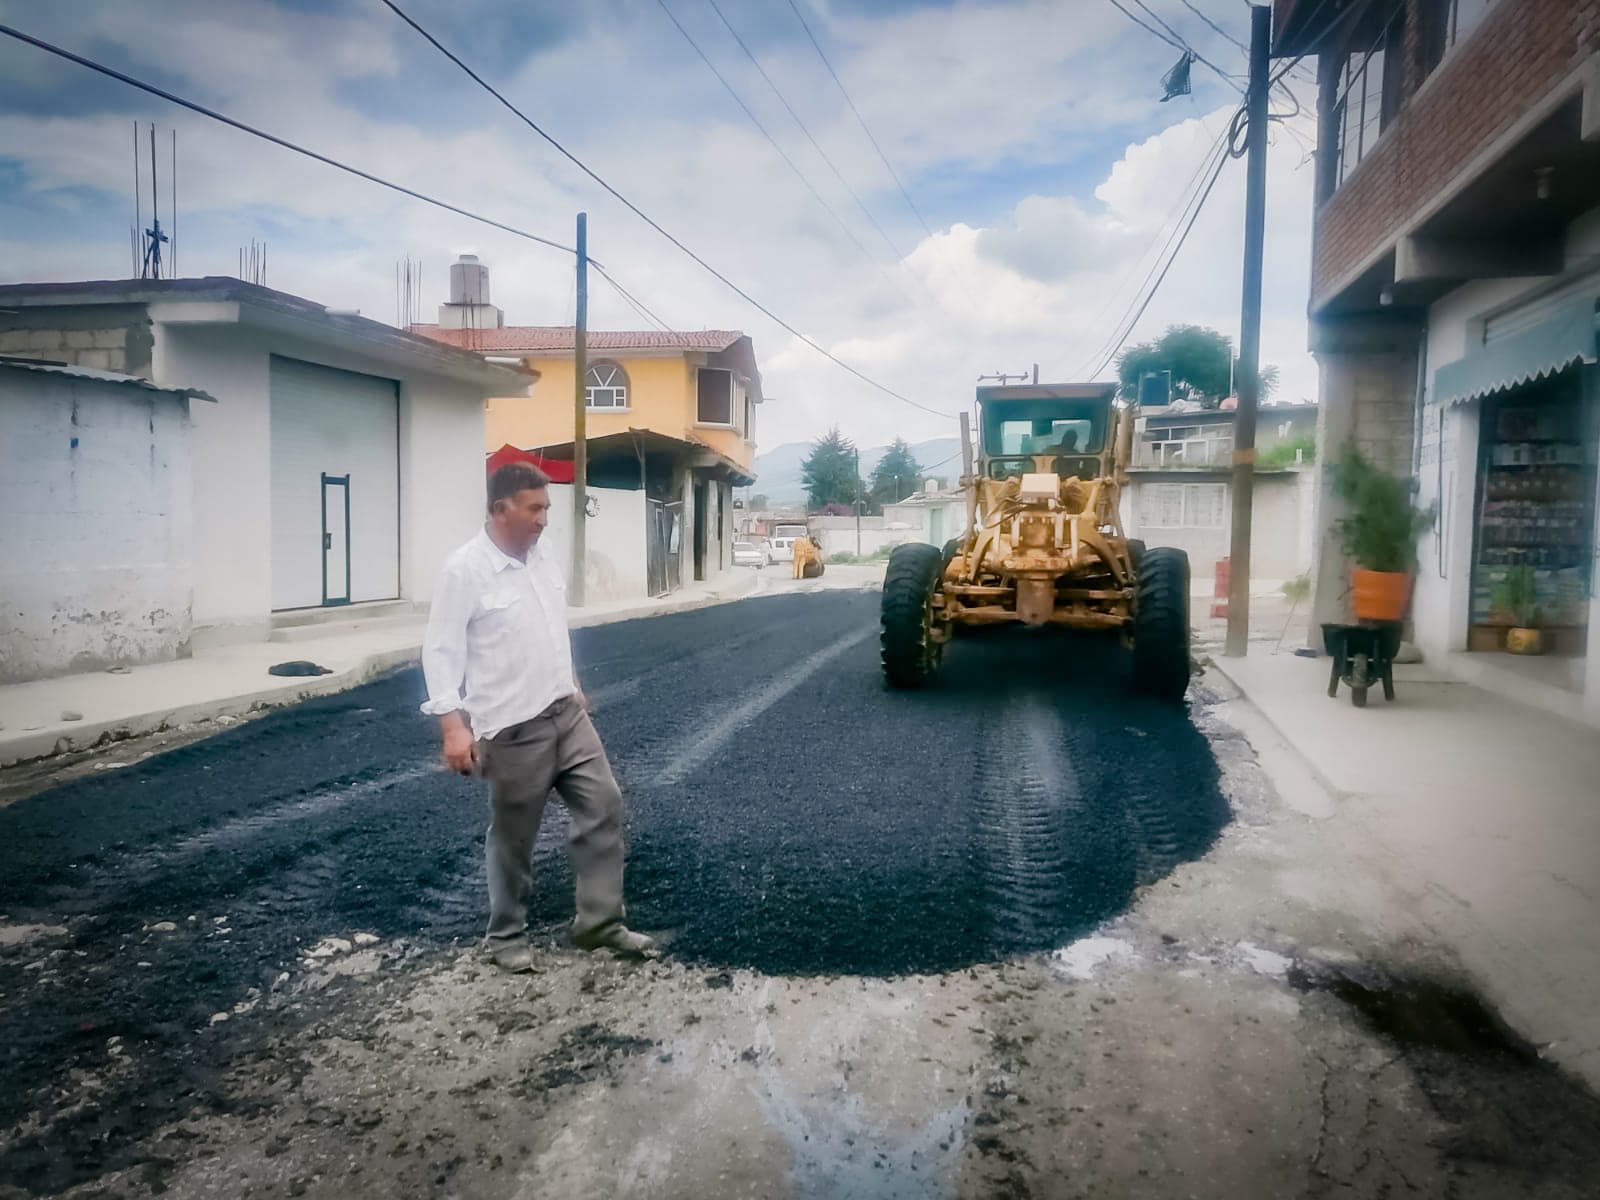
910 653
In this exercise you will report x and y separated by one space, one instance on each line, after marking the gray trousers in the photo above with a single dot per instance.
557 750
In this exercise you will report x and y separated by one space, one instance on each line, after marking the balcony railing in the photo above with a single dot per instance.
1186 452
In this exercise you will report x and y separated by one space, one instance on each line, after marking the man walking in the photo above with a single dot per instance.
498 661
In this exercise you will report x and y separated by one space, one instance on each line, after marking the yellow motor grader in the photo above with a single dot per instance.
1043 543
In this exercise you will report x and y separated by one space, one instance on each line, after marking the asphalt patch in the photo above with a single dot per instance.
835 826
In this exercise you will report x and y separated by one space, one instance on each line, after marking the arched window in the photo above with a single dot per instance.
605 386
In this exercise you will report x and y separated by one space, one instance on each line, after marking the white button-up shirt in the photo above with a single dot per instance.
497 643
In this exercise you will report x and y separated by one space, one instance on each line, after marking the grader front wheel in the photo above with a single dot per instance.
910 653
1161 624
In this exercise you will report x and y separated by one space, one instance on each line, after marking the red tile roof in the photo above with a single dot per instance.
535 339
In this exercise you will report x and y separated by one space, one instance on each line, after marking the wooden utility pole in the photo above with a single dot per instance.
580 421
858 501
1249 375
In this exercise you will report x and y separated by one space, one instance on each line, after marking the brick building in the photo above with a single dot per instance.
1455 273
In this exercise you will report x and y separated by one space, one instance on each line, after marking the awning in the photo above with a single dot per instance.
1565 337
556 469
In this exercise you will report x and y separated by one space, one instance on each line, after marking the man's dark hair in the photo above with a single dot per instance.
512 478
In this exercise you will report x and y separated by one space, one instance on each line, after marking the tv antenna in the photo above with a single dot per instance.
147 243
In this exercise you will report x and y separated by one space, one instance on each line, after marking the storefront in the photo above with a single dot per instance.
1534 538
1535 389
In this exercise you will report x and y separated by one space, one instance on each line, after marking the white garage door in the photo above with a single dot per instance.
335 486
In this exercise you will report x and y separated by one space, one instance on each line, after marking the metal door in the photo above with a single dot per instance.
335 539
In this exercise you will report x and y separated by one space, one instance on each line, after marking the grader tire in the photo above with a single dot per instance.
1136 552
1161 624
811 570
910 655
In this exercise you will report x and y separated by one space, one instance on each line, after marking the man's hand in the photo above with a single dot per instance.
460 747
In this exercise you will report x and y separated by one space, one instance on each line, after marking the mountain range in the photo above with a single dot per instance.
778 470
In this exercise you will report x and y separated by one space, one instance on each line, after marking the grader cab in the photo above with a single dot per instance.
1043 543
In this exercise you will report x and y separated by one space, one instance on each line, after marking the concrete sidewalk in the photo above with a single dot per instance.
76 712
1482 814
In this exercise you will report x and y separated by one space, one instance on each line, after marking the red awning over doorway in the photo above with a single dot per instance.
560 471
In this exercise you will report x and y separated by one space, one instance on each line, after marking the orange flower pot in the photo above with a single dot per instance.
1379 595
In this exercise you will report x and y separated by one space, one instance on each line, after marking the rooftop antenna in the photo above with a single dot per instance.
148 242
138 212
174 191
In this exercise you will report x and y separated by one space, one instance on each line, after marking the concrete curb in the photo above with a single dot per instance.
1334 791
76 736
68 737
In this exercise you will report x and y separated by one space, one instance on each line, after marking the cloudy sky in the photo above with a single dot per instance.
1028 134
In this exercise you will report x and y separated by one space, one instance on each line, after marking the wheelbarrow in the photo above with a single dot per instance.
1362 654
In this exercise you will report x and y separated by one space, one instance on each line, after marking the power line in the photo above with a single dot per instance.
655 225
1174 220
1172 258
756 121
1182 41
862 121
633 301
1195 9
839 175
214 115
1177 43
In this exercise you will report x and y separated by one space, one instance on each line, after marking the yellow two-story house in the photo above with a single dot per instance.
669 415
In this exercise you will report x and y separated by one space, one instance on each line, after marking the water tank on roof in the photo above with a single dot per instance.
469 281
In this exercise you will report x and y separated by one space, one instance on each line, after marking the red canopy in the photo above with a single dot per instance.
559 470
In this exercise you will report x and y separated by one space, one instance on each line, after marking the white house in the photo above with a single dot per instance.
933 515
341 458
95 549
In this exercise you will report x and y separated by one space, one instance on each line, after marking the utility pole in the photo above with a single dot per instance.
858 501
1249 375
580 420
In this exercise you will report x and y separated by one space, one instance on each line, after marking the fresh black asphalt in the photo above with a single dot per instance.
787 813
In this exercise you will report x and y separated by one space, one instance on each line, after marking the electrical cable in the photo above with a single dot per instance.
1177 44
634 302
213 114
784 100
882 157
773 142
1188 194
655 225
1156 286
1183 42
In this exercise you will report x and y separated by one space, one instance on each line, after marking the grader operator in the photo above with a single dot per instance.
1043 543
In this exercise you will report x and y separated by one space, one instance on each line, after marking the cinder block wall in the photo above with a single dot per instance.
107 337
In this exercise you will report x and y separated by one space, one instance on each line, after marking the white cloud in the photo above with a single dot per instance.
1003 116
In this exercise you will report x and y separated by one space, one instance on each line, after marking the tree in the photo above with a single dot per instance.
1269 379
1200 360
829 471
897 474
758 502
